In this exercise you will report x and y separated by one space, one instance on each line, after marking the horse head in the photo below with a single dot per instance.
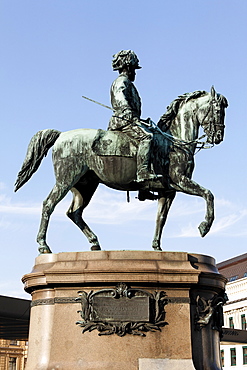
211 116
193 109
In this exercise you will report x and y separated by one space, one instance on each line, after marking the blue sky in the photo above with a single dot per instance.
53 52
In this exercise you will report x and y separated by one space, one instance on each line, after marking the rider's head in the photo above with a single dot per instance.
126 60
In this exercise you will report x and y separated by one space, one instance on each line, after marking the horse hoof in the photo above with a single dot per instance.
95 248
156 246
203 228
157 249
44 250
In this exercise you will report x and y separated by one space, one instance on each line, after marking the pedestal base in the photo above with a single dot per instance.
165 364
56 342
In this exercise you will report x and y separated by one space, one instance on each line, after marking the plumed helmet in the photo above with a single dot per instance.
125 58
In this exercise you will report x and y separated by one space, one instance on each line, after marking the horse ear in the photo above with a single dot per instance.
213 92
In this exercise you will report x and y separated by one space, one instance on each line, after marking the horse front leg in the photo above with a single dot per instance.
184 184
164 205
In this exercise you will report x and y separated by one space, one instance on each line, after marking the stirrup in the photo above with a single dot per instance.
145 194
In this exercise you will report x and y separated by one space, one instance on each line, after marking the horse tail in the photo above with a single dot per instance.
38 147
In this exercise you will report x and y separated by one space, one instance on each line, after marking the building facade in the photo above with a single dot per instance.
13 354
234 355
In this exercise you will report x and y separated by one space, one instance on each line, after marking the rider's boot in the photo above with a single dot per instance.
143 171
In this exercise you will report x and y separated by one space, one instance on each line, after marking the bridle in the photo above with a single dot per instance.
213 127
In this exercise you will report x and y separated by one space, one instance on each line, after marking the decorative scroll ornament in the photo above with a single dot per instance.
210 310
122 311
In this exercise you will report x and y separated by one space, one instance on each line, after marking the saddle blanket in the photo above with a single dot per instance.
114 143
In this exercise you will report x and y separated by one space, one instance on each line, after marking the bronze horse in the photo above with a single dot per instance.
80 167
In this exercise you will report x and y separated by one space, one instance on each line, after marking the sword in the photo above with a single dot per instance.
96 102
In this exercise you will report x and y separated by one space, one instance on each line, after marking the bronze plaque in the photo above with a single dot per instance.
121 310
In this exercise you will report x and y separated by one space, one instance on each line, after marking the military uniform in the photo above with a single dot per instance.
126 104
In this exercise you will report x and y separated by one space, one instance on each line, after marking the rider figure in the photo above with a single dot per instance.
126 104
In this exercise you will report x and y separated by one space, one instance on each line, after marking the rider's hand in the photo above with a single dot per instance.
146 122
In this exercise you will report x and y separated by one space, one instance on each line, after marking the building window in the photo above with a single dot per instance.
245 274
233 278
12 363
222 358
13 342
245 355
231 323
243 322
233 356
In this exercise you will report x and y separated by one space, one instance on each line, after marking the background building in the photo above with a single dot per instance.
13 354
14 327
234 355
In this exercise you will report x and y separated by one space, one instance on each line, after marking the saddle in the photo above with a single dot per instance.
114 143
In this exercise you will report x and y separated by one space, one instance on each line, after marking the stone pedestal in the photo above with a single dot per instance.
184 342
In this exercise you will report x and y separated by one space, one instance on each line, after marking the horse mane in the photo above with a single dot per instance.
172 110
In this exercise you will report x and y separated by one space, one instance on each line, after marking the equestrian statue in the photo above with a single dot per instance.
132 155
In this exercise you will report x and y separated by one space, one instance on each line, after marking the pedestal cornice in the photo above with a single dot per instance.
130 266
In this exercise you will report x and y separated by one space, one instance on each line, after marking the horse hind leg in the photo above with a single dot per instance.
56 195
81 198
